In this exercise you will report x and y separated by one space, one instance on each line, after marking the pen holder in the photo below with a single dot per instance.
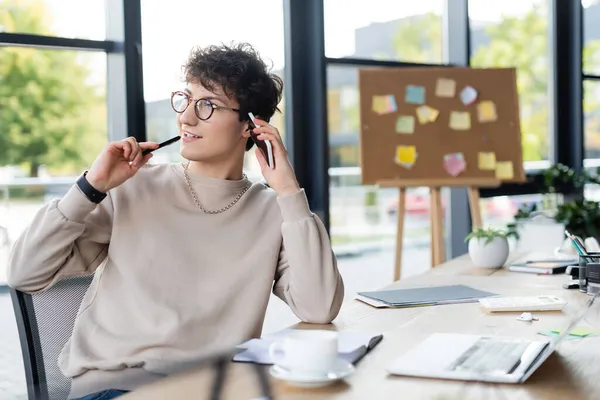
589 268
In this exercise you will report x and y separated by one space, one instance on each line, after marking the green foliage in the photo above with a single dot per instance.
488 234
49 113
521 42
581 217
419 39
560 175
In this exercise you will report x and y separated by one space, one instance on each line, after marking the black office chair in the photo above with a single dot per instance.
45 323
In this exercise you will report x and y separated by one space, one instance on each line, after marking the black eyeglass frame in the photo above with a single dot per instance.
212 105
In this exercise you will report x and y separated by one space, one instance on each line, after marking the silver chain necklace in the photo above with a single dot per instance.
195 197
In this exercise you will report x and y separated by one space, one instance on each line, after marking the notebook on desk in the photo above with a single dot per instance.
352 347
424 296
547 267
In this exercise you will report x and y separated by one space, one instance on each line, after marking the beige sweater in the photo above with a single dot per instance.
172 283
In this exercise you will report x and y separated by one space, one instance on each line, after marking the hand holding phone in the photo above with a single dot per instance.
264 145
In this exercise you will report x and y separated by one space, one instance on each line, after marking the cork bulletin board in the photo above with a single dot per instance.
454 126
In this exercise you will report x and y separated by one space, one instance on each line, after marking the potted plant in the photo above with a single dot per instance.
488 248
580 216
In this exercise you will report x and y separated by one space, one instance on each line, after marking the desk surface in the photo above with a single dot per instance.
573 372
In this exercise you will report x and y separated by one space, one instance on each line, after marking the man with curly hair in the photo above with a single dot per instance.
185 255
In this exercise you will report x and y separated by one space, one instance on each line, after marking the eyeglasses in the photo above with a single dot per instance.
203 108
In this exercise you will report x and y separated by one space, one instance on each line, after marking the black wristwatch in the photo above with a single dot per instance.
94 195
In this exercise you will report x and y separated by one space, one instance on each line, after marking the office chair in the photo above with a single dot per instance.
45 323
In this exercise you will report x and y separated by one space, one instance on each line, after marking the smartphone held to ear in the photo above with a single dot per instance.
264 145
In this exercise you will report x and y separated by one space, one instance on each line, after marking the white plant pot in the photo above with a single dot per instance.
488 255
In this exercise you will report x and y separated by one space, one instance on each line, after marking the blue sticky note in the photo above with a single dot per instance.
415 94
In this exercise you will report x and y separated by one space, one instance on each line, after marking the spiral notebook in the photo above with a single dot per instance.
352 346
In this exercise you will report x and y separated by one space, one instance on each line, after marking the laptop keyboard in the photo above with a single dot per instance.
491 356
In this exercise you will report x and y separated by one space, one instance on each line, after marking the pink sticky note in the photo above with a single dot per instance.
454 164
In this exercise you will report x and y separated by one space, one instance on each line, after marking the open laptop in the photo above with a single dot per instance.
480 358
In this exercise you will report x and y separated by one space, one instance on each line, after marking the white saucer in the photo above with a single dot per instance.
340 370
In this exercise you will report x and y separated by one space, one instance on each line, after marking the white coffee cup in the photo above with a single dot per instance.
311 352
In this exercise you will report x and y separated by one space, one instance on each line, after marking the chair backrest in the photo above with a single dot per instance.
45 323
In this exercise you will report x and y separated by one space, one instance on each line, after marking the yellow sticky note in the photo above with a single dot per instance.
487 161
460 120
445 87
427 114
504 170
433 114
405 124
406 155
384 104
423 115
486 111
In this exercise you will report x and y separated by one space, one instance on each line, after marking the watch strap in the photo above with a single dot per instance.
94 195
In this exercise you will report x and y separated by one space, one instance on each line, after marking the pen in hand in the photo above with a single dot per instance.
163 144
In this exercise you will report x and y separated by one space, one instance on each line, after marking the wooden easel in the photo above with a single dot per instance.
438 253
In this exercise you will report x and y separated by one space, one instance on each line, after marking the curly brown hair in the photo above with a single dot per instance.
242 75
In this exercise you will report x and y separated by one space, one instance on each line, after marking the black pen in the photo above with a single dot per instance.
163 144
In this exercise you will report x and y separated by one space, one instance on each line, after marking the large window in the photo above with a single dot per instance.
166 46
64 18
591 109
591 37
515 34
384 30
53 123
591 85
363 218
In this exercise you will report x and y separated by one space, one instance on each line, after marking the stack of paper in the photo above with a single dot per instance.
352 346
426 296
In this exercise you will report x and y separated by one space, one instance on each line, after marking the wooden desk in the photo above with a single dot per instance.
573 372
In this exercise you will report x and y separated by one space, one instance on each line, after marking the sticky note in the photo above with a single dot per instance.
415 94
454 163
445 87
504 170
384 104
486 111
460 120
580 332
487 161
427 114
433 114
405 124
406 155
468 95
552 333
